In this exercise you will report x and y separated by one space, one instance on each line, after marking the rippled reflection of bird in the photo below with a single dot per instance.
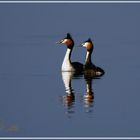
89 95
69 98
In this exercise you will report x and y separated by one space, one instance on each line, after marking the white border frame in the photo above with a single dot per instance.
62 1
70 138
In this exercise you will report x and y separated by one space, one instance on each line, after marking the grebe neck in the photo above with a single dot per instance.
66 65
68 55
88 58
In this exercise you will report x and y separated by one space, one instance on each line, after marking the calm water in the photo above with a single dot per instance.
33 99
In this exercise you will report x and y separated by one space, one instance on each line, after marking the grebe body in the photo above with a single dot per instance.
67 65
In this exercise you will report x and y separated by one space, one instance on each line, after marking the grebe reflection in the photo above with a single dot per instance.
89 95
69 98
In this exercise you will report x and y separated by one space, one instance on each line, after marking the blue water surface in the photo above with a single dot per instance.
32 91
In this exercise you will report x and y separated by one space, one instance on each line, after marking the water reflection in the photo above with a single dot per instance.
89 95
69 99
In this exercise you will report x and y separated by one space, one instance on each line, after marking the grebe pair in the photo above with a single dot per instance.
88 67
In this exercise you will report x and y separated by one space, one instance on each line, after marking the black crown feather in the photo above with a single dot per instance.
89 40
68 36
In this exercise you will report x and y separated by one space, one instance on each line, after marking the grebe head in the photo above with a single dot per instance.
88 45
68 41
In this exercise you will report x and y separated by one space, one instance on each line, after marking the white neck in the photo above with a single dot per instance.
88 57
66 65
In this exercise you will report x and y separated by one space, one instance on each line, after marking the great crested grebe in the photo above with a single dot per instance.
89 67
67 65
